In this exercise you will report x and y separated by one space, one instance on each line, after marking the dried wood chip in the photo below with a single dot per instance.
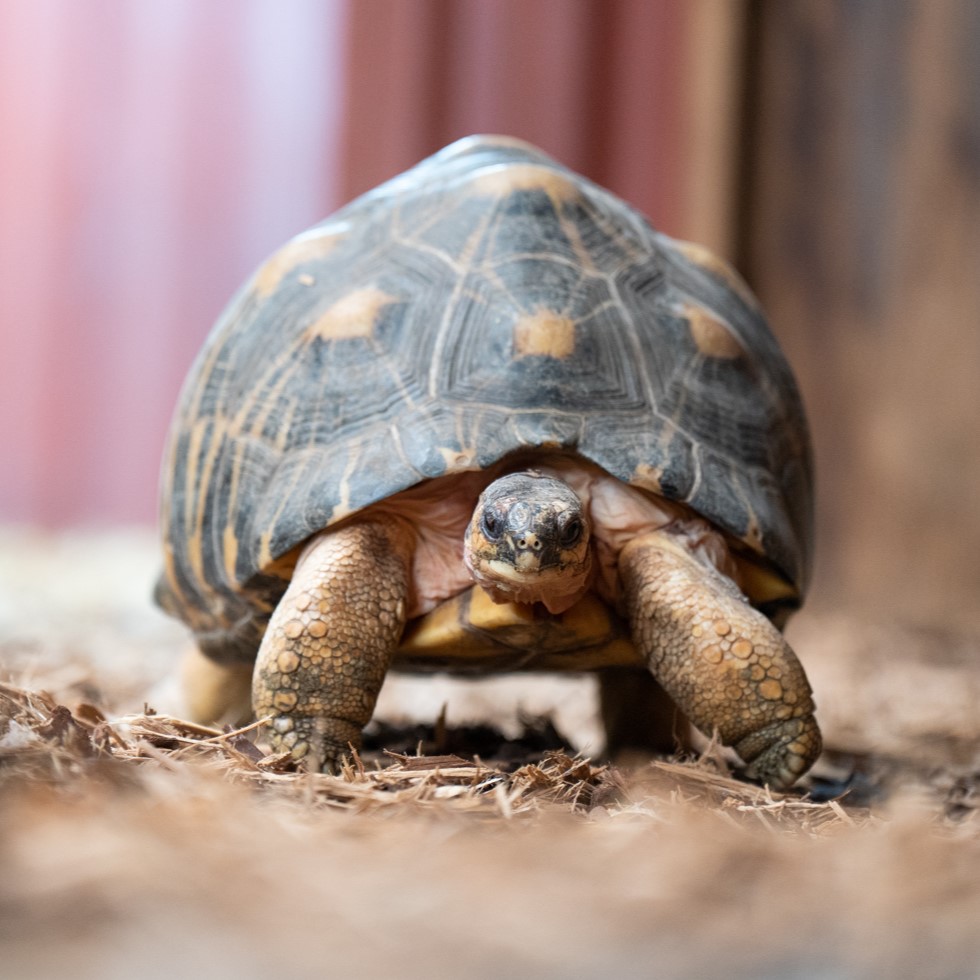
58 744
413 763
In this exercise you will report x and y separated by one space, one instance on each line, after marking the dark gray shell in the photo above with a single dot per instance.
484 302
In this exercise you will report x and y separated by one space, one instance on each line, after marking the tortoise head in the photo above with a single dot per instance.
528 541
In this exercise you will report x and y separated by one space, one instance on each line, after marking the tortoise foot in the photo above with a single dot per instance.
780 753
316 744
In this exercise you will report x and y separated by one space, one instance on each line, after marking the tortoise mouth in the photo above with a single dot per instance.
557 588
527 577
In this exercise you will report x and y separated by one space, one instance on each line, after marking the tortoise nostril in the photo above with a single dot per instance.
531 541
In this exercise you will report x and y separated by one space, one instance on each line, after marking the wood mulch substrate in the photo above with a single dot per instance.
145 845
41 740
135 844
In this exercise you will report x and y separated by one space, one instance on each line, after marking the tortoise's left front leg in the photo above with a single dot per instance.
727 667
330 640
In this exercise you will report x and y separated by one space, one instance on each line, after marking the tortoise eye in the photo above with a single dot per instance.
569 534
491 524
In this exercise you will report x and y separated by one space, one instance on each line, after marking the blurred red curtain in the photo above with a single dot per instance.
639 95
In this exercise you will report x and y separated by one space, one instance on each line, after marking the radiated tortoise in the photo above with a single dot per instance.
487 418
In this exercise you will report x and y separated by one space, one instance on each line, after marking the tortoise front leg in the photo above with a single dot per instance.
726 665
330 641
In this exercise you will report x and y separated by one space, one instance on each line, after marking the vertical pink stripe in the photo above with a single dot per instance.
30 78
139 171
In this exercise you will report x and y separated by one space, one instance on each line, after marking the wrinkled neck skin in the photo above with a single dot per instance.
438 519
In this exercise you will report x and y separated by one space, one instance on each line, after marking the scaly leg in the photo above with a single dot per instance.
330 641
727 667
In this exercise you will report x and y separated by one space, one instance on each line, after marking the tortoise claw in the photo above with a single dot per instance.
312 748
779 754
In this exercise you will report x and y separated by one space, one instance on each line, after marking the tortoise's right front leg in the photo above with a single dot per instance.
724 664
330 641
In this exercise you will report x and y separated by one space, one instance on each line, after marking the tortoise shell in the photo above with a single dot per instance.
488 301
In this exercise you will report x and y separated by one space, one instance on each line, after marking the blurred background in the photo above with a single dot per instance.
155 151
